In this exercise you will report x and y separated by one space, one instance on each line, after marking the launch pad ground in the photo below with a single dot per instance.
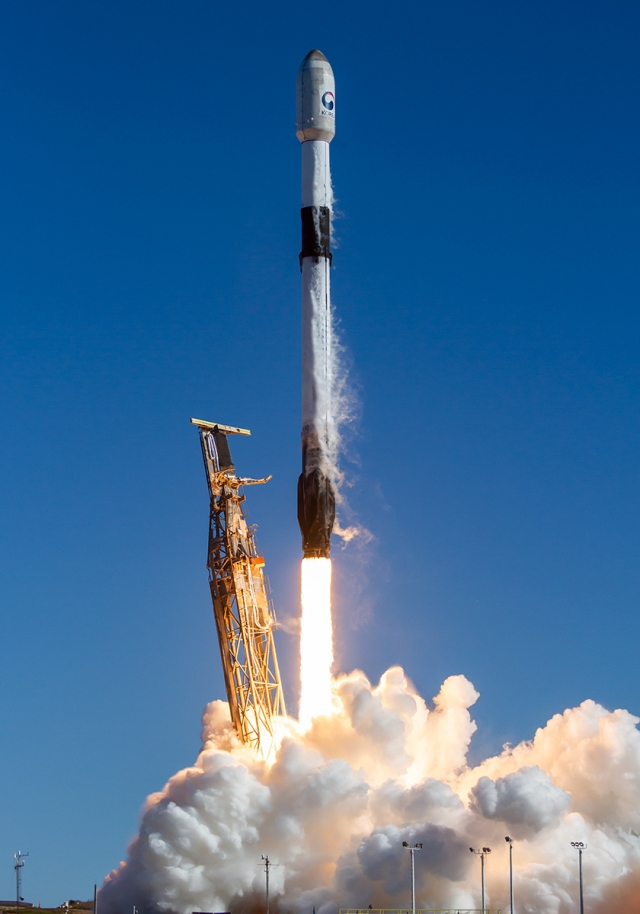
419 911
67 907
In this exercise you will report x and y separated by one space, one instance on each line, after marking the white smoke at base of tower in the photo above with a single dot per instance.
381 768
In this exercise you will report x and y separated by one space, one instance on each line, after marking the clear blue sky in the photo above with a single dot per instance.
487 281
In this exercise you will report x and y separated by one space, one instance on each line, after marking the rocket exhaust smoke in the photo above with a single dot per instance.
382 768
370 766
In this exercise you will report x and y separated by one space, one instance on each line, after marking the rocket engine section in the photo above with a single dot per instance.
315 128
316 513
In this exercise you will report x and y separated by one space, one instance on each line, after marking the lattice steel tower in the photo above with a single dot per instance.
243 612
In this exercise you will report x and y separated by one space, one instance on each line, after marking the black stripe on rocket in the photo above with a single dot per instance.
316 233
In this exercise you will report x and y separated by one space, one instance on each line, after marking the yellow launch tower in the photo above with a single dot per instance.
244 617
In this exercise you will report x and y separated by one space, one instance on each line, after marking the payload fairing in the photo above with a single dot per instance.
315 128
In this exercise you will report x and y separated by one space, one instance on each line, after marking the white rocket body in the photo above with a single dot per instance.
316 305
315 128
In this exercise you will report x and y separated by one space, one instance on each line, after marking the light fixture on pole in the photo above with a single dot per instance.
267 866
510 843
19 858
482 853
412 848
580 846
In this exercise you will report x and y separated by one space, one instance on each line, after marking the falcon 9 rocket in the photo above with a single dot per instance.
315 128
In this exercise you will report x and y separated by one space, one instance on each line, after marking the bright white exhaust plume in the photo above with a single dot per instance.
316 640
380 769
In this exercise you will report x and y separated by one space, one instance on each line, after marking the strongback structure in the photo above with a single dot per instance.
244 617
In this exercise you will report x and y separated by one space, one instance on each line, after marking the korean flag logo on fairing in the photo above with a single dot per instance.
329 100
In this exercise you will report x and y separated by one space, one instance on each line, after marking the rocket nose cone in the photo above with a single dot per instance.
315 99
315 55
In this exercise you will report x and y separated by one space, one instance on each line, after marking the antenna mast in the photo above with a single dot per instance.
244 615
19 858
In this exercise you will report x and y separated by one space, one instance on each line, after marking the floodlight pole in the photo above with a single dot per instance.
482 853
580 868
267 866
580 847
510 842
412 848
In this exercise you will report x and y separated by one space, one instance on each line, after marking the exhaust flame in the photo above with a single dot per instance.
316 640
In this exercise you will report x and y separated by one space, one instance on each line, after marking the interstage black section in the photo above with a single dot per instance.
316 232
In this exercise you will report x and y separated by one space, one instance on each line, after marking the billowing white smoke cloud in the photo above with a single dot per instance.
336 805
526 799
